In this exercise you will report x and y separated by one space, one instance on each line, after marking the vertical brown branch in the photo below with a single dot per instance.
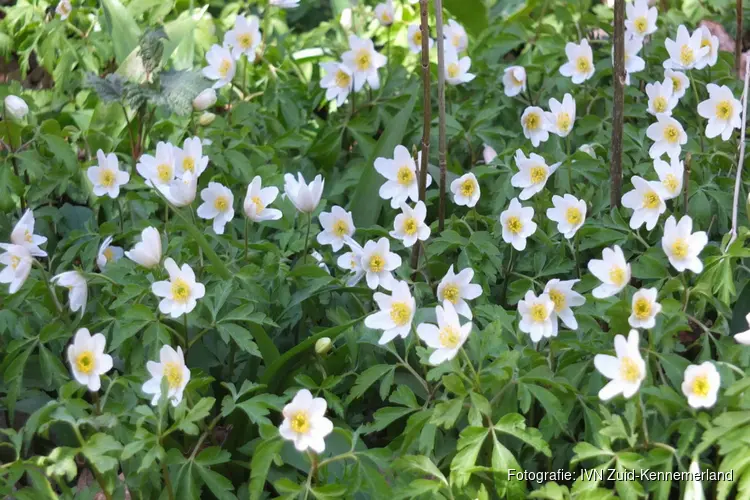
738 40
618 79
441 109
424 28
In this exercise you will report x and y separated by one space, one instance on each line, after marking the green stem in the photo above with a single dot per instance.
94 470
307 236
221 269
247 223
642 417
471 366
187 337
167 480
697 100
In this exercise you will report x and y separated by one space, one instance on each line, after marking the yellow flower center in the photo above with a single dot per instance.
515 80
180 290
405 176
188 164
641 24
583 64
451 293
173 374
687 56
386 17
629 370
513 224
468 187
724 110
85 362
224 67
651 200
108 254
671 183
417 38
400 313
532 121
701 386
300 422
107 177
258 204
680 248
617 276
164 172
671 134
340 228
676 84
377 264
363 60
14 261
538 174
705 42
539 313
27 236
453 70
63 7
456 40
660 104
558 298
245 40
410 226
449 337
343 80
221 203
563 122
642 308
573 216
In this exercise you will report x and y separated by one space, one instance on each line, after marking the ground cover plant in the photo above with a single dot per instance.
312 249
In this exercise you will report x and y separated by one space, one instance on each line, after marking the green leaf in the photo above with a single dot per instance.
240 336
61 150
420 463
122 28
196 414
469 444
366 379
97 449
180 88
514 425
384 417
447 412
471 14
260 464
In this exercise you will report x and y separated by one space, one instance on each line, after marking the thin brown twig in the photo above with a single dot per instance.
618 118
738 41
441 110
740 160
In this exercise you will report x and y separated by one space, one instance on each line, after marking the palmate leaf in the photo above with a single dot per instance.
110 88
179 88
151 49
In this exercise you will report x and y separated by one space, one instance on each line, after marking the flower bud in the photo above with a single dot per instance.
588 149
206 119
205 100
488 154
323 345
16 107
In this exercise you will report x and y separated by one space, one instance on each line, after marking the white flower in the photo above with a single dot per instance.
701 385
626 371
532 174
285 4
682 246
710 41
414 38
23 235
644 308
221 66
384 12
457 289
218 204
180 292
352 261
569 212
17 261
395 315
456 36
488 153
680 82
16 107
694 488
305 423
447 336
670 175
171 366
108 253
304 196
633 62
722 111
668 136
107 177
646 201
640 20
337 226
517 224
190 157
563 296
244 38
363 61
465 190
63 9
685 51
147 252
742 337
534 125
205 99
514 80
612 270
321 262
257 200
87 359
401 182
561 116
337 81
181 192
580 65
660 98
158 170
537 316
457 70
409 225
379 262
78 290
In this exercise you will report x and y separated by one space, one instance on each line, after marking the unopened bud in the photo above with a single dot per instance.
16 107
323 345
206 119
205 100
